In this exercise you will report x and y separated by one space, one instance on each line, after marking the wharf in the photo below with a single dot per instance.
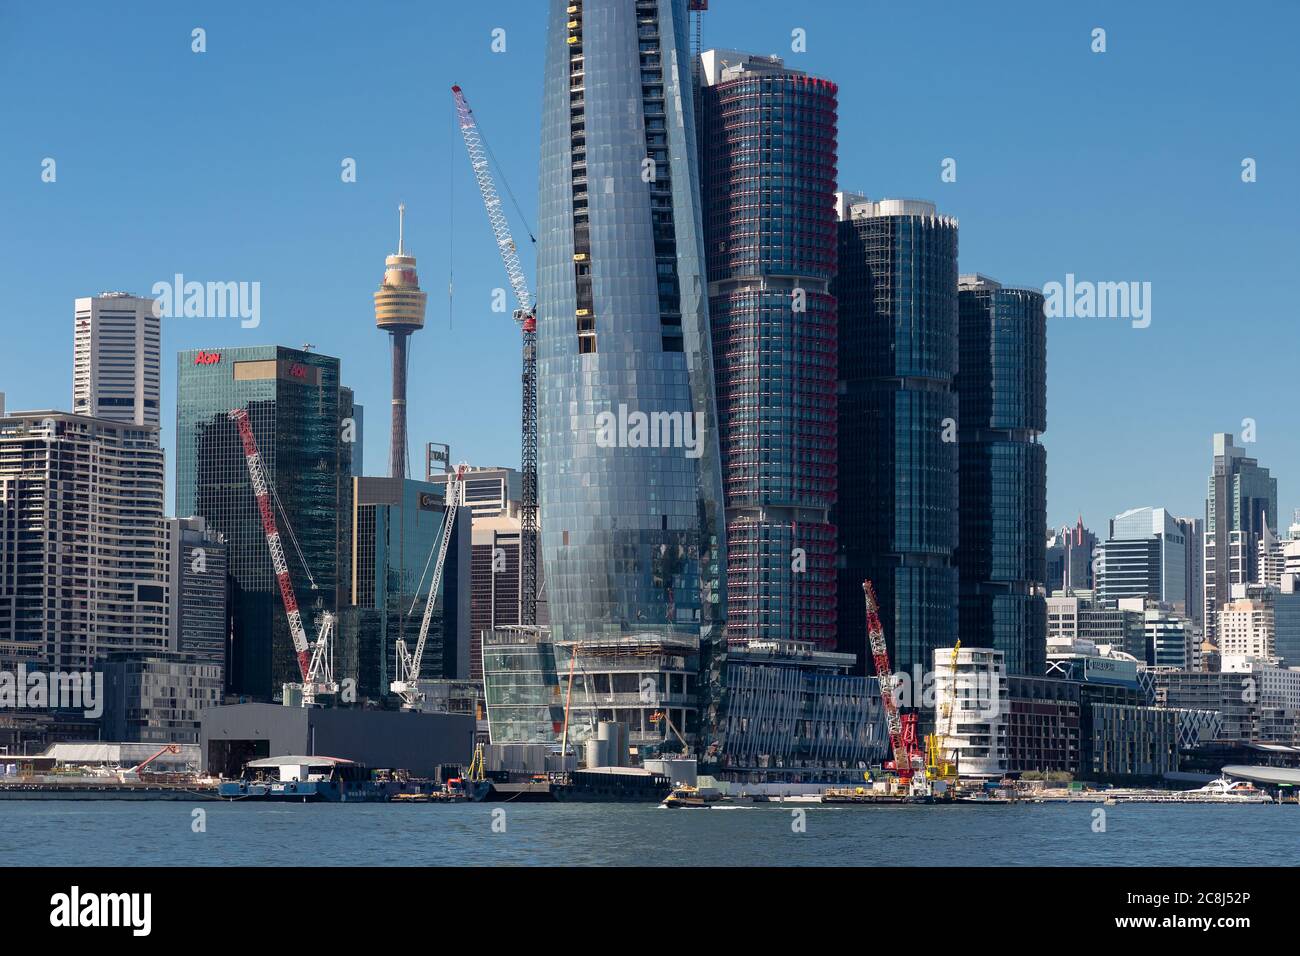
105 790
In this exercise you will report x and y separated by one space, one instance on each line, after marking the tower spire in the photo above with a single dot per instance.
399 310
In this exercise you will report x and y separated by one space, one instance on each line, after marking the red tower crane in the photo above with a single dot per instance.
909 763
315 663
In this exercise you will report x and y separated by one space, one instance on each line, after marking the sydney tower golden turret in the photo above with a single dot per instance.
399 311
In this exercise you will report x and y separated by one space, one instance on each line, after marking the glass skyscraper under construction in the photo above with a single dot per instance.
632 532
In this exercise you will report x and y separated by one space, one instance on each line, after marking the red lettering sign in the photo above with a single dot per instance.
207 358
298 370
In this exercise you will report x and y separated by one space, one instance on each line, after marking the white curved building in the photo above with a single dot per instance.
971 708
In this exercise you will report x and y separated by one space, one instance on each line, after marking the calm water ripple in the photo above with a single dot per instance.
45 833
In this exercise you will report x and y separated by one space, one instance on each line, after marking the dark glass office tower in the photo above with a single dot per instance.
1002 397
397 523
632 531
770 138
297 411
1241 503
897 510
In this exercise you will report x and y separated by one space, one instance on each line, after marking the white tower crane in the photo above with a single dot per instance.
408 664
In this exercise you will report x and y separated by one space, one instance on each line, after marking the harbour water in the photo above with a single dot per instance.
51 833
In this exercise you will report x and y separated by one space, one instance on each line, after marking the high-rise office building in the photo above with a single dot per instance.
1001 388
116 358
83 541
1144 555
198 614
399 311
1247 627
633 535
1270 560
1071 558
1169 636
897 508
397 526
770 230
1241 502
1081 619
299 416
1286 622
1193 531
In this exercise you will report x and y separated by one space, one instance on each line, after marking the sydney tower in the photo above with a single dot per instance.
399 311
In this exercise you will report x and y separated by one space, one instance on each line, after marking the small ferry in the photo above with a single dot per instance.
686 797
312 779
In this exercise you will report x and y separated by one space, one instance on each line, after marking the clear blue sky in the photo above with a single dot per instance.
1117 166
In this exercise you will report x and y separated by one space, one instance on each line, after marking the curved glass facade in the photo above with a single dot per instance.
897 511
770 170
1002 388
632 541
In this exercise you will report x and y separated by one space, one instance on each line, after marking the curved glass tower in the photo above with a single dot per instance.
770 171
1002 390
897 510
632 538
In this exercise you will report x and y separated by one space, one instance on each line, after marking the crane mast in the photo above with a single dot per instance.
880 655
408 664
315 663
526 315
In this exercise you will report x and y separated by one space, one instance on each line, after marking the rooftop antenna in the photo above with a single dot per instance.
401 225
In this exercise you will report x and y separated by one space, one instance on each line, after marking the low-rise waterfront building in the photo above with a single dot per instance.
158 698
521 685
1128 742
1043 722
974 686
794 713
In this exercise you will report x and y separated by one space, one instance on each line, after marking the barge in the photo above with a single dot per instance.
99 789
299 779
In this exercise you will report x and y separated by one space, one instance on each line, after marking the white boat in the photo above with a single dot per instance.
1222 790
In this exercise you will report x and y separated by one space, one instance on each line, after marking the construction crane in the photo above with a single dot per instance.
133 773
902 743
315 661
408 664
526 315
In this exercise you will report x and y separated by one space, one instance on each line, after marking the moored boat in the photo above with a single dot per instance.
311 779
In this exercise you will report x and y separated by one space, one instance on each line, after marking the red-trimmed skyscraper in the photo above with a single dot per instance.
770 155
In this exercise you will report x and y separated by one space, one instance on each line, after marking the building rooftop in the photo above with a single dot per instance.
857 206
298 761
721 66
